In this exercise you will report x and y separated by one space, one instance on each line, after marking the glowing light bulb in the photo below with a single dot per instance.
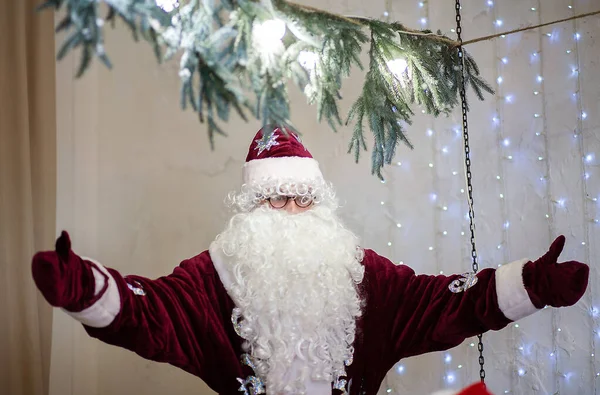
577 36
269 33
521 372
397 67
429 132
450 378
509 98
506 142
308 59
423 21
500 79
398 225
400 369
499 22
583 115
167 5
504 60
539 78
490 3
589 157
445 150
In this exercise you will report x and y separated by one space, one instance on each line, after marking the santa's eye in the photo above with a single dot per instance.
278 201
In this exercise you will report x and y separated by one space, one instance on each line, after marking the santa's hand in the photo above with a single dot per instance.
63 277
550 283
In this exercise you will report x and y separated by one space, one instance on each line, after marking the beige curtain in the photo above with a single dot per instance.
27 191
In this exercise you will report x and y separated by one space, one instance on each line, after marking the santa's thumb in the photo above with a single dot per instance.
554 251
63 245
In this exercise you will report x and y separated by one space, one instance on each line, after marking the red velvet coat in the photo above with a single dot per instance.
185 318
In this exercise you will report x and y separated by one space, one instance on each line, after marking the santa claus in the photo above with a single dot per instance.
286 301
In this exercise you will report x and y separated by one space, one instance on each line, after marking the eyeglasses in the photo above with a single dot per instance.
280 201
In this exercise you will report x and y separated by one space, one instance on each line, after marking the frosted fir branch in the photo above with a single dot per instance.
229 59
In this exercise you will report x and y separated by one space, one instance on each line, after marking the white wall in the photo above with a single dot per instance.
140 190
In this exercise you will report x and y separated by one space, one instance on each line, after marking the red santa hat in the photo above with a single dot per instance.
282 157
475 389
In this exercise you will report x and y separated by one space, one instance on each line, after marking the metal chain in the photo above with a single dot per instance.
463 97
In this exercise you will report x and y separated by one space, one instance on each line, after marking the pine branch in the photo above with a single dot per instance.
227 58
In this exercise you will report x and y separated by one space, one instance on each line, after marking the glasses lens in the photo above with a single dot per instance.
304 201
278 201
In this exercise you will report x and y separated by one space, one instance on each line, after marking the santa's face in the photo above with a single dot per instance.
295 276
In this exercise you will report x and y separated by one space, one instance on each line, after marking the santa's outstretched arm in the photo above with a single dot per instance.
431 313
149 317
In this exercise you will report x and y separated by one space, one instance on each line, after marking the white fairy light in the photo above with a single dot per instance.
167 5
269 33
397 67
308 59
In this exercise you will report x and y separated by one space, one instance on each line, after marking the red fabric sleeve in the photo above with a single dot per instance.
167 319
420 314
175 319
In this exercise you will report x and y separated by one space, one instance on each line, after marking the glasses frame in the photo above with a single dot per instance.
288 198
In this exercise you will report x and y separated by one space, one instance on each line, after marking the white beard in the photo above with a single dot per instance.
294 279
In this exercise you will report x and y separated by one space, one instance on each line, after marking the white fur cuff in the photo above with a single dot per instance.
513 299
106 308
285 168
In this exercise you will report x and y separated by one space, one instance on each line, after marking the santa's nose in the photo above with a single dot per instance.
293 208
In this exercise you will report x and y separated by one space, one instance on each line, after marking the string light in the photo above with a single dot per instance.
308 59
398 66
167 5
509 147
268 35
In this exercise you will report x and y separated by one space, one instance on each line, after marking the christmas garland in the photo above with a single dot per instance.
232 50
